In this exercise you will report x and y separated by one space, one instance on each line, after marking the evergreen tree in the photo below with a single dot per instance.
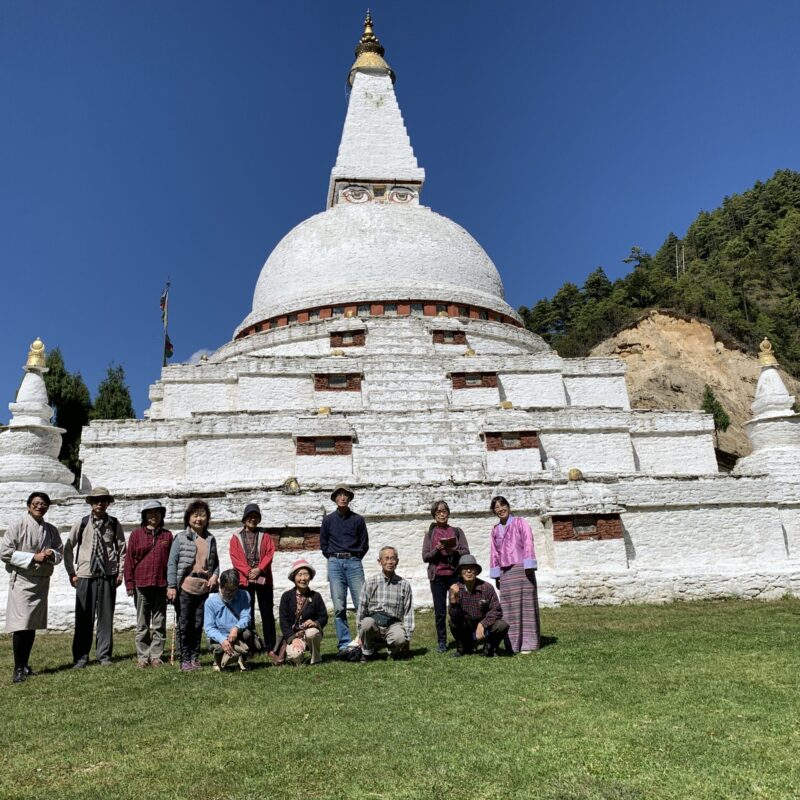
72 404
113 399
712 406
738 267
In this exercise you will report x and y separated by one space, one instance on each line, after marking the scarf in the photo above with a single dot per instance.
97 561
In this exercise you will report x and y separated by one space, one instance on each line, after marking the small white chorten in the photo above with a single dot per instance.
774 429
30 445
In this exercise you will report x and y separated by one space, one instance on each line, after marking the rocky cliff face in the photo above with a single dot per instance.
671 358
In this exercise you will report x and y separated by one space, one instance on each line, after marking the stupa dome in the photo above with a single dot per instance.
372 252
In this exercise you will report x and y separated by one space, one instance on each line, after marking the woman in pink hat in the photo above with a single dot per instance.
302 617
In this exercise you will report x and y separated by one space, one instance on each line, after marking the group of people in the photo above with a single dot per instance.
159 568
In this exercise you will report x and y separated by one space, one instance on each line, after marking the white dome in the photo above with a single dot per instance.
375 252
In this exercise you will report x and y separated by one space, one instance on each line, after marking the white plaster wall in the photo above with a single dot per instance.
324 469
183 399
338 401
533 390
706 538
475 398
245 460
692 454
276 392
506 463
304 347
597 390
589 556
589 451
134 466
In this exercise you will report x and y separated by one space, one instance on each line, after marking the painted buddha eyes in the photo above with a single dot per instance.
378 194
399 194
357 194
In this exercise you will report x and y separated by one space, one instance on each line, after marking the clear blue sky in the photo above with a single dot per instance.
148 139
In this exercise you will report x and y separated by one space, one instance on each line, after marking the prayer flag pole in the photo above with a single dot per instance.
168 348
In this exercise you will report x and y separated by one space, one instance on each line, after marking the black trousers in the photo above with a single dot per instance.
265 598
440 585
95 598
463 628
190 624
22 644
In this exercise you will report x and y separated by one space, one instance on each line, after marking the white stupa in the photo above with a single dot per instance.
29 446
380 351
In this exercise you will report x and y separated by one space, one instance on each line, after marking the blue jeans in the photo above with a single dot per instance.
344 573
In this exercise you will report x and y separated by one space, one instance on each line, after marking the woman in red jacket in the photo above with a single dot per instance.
251 551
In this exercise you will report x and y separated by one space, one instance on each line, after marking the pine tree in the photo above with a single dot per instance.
712 406
113 399
72 404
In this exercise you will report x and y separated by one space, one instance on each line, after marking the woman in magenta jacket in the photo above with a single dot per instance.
512 561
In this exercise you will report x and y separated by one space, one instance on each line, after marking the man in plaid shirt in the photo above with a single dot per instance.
385 610
475 612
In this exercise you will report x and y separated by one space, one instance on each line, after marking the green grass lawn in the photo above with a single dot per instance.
695 700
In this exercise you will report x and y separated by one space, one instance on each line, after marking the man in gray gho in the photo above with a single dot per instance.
94 556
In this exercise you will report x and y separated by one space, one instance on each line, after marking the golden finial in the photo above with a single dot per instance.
766 357
36 355
575 474
338 353
324 411
350 313
506 404
469 353
369 53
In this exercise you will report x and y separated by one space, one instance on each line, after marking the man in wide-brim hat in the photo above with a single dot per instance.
475 613
94 557
344 541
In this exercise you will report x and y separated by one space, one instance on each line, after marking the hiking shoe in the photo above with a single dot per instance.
196 664
19 675
442 647
29 673
106 662
141 663
156 662
186 666
80 663
457 653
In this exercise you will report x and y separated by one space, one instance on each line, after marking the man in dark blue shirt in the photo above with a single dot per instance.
344 541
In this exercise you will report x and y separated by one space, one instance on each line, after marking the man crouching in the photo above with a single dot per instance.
227 620
476 616
385 611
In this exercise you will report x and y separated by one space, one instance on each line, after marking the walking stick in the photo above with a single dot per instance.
172 642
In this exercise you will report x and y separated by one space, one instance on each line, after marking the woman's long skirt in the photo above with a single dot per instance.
520 602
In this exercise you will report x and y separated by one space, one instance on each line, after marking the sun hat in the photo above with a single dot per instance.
342 487
301 563
469 560
99 493
153 505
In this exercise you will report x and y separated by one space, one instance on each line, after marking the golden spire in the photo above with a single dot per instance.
36 355
766 357
369 53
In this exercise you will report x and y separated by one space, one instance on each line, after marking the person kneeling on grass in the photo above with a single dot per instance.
386 611
226 620
475 613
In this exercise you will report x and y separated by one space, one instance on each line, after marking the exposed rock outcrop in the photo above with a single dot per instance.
670 360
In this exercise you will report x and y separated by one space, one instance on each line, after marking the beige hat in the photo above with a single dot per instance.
342 487
99 493
301 563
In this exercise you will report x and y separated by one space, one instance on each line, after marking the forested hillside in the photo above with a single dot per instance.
738 267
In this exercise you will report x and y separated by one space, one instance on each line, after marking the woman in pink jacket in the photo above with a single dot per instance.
512 562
